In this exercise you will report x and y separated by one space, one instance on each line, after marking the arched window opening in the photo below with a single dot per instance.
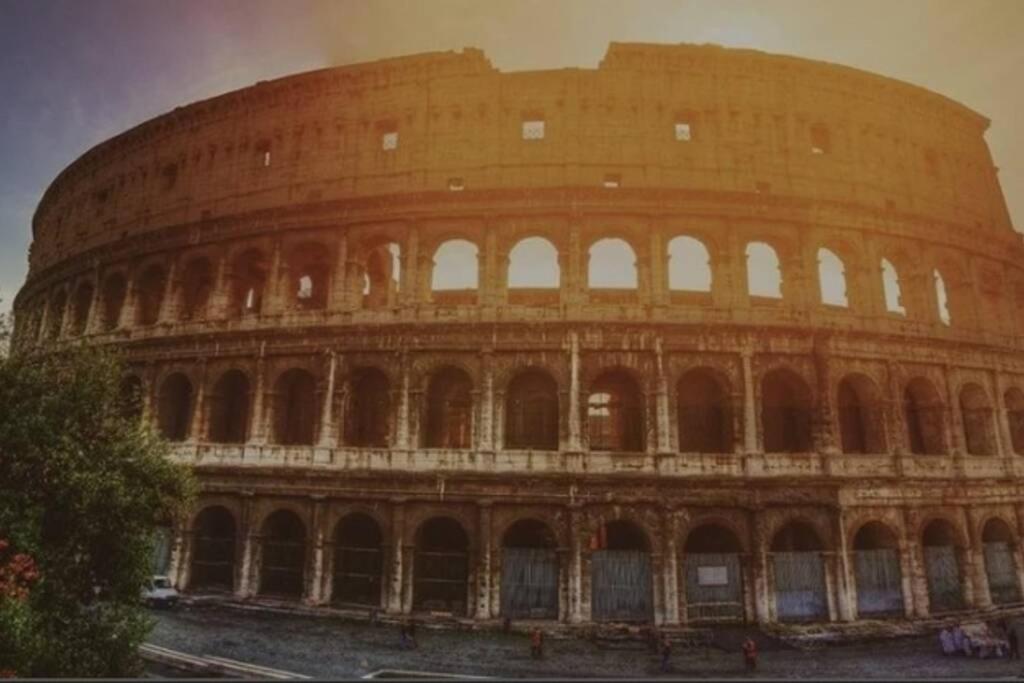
130 398
295 408
611 265
821 139
861 427
832 279
149 295
441 567
892 289
533 264
174 410
615 419
114 292
1014 400
923 414
785 413
456 268
705 414
877 572
358 561
531 419
799 574
942 299
382 278
229 408
213 551
449 410
689 265
714 579
58 307
283 555
529 571
309 270
248 282
942 560
979 427
81 308
764 273
196 288
368 418
999 548
620 566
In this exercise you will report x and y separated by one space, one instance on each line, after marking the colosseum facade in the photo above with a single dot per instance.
700 335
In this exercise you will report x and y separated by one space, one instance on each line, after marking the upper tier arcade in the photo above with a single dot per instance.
701 120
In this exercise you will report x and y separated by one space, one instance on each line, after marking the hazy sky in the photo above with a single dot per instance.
74 72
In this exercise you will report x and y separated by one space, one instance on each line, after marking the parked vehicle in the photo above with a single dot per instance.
160 592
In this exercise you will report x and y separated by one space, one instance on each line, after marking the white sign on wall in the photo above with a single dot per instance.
712 576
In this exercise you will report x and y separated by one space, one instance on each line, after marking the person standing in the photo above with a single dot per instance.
666 653
750 655
537 644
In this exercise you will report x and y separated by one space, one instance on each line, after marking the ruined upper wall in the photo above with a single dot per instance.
757 123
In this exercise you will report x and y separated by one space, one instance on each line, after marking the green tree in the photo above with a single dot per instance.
83 488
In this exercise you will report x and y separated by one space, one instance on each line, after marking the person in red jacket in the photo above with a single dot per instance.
750 654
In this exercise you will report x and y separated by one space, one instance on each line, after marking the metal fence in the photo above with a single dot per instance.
714 587
357 573
529 583
1002 574
943 572
879 582
800 586
439 582
213 562
621 585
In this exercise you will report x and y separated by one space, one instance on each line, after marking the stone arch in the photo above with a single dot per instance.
449 409
786 409
112 297
612 265
456 266
621 577
924 416
704 409
943 550
1013 399
150 285
878 576
296 409
832 279
892 288
195 288
689 265
368 413
531 411
229 408
999 545
861 416
615 412
441 566
383 274
978 420
81 307
174 407
714 578
58 309
358 560
308 265
533 263
215 535
530 570
764 271
798 573
248 276
283 554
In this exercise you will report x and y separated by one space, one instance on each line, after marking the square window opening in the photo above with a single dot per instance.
389 140
684 132
533 129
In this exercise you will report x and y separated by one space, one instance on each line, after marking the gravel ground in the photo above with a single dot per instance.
328 647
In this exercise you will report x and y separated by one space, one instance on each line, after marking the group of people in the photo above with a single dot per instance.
979 640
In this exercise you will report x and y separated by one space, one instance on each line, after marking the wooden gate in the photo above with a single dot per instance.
714 587
529 583
440 581
621 585
800 586
357 574
879 582
943 572
1001 572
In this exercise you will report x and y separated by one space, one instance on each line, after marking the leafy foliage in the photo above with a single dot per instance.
83 487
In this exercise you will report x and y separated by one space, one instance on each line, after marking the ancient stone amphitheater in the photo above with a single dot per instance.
701 335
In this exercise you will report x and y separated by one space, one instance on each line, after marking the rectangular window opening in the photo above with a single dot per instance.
389 140
684 132
612 180
533 129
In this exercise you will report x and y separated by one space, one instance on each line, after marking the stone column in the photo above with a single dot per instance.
409 278
178 571
485 440
750 440
895 431
483 574
93 320
917 581
661 401
957 439
1003 419
575 444
257 421
759 566
673 596
976 559
168 309
658 265
275 300
846 591
315 553
397 570
245 586
328 437
824 430
126 319
574 290
197 424
402 432
220 296
488 285
576 533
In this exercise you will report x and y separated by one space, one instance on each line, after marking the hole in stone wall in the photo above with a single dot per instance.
612 265
531 419
455 266
615 414
764 275
689 265
449 410
891 287
533 264
832 279
174 407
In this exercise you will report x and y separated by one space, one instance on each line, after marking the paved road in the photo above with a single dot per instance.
329 647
